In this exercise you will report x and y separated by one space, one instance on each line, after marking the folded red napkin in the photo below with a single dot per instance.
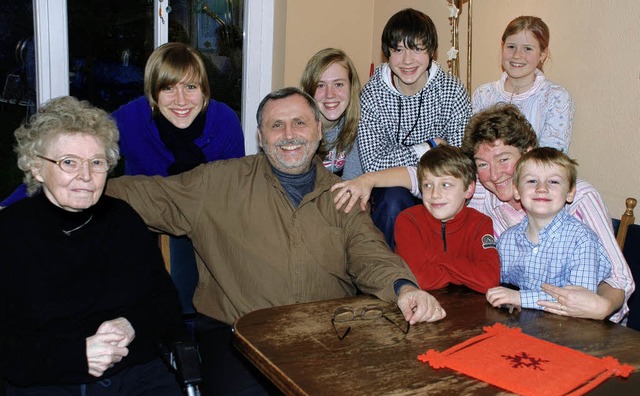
507 358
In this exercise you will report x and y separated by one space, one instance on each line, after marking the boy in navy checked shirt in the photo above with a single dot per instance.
409 105
549 245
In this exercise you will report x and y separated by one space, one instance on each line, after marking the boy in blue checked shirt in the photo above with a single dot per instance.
549 245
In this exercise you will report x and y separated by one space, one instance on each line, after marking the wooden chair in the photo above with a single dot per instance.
628 237
163 241
626 219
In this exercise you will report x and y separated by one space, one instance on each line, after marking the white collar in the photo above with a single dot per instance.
387 76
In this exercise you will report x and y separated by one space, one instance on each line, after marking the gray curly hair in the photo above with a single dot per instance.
63 115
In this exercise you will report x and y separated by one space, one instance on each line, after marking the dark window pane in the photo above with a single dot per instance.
17 84
217 33
109 43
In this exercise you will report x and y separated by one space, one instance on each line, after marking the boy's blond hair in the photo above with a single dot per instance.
548 156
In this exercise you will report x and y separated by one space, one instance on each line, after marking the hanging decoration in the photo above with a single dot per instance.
453 54
454 18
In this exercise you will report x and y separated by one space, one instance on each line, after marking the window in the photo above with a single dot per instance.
97 51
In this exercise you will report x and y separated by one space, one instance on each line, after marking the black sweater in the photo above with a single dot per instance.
56 289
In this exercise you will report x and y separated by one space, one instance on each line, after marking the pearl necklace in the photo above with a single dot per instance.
68 232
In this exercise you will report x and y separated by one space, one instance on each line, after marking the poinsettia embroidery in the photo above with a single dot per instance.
523 360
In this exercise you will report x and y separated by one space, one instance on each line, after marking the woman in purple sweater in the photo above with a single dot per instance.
175 127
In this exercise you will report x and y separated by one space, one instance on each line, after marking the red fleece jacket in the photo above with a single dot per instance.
460 251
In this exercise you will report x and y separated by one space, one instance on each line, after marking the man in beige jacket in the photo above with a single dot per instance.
266 233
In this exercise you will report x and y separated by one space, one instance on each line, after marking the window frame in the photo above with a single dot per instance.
52 54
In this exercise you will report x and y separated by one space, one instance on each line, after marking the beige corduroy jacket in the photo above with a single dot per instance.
254 249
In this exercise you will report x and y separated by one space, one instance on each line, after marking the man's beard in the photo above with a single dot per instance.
288 166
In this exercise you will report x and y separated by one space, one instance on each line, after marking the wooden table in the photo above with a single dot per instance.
297 348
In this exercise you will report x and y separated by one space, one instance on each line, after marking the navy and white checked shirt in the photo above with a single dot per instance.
391 123
568 253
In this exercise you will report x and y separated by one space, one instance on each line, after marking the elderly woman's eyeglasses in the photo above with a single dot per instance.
73 164
370 312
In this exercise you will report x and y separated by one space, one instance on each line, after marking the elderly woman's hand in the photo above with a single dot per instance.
109 345
119 326
103 352
349 192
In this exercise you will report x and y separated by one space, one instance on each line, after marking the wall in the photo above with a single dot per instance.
312 26
279 43
594 54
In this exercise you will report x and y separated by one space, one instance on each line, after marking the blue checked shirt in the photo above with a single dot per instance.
568 253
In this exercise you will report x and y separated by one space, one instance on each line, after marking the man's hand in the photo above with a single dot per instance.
419 306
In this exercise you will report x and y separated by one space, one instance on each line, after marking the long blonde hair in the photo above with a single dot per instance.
309 83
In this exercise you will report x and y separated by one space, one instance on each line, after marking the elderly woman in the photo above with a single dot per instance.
84 297
174 127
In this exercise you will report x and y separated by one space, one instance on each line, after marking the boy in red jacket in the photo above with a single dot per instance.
443 241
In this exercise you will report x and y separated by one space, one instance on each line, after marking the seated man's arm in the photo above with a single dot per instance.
163 202
418 305
372 266
375 269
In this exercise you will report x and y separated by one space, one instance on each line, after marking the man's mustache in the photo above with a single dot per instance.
290 142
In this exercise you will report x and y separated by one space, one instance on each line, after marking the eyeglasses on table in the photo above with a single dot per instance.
370 312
